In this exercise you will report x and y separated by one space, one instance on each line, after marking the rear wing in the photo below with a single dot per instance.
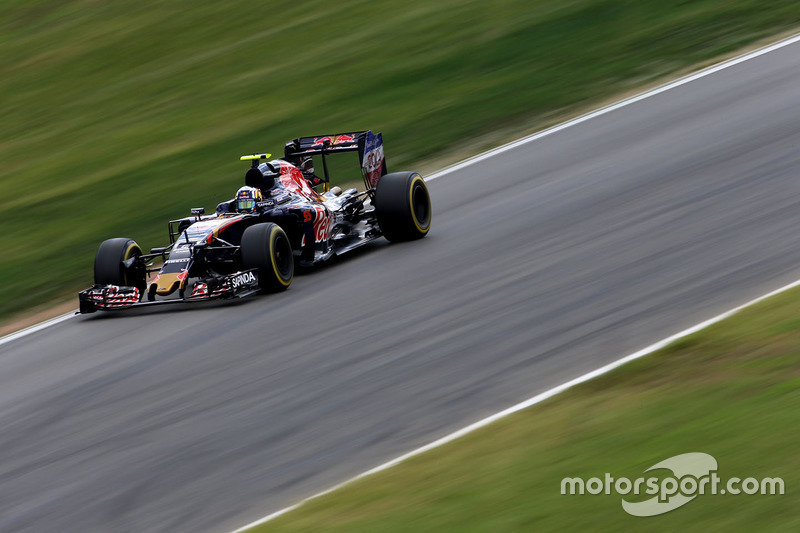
368 145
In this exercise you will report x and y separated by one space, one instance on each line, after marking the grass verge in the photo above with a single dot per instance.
731 390
120 115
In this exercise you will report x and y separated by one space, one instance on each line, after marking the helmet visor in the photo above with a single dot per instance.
245 205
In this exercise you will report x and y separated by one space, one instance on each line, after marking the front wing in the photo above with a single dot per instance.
115 297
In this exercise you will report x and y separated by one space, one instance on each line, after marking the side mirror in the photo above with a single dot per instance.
197 211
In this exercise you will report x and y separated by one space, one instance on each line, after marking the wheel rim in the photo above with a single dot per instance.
283 260
420 206
133 250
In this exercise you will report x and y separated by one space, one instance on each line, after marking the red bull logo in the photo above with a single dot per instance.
333 140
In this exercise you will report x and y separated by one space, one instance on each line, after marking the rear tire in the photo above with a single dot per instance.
267 248
403 206
109 268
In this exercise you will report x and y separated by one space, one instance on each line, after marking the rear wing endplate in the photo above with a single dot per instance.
368 145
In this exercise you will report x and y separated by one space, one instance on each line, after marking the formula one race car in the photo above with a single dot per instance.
277 219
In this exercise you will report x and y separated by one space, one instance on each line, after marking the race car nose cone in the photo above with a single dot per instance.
166 284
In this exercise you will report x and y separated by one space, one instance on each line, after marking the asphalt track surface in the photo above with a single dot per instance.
543 263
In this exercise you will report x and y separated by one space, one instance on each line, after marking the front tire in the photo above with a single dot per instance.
403 206
267 248
110 267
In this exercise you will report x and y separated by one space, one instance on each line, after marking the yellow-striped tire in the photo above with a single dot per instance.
109 266
403 206
267 248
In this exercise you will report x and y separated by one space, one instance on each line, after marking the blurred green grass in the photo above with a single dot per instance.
732 391
118 116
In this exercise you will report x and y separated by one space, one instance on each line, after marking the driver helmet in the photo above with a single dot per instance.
247 198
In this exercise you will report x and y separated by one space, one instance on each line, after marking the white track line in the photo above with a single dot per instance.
525 404
36 328
613 107
595 373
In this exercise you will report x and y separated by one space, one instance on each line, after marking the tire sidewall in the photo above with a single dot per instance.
418 184
266 248
108 263
277 240
397 198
